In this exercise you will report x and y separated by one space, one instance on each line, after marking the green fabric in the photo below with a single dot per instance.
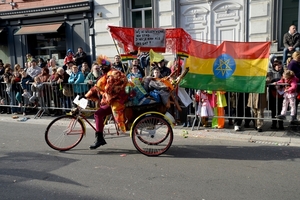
243 84
214 121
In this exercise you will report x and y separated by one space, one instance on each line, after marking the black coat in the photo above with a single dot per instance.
291 40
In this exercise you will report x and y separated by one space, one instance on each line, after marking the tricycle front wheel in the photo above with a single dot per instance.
64 133
152 134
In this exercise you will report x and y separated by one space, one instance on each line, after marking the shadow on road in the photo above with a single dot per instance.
234 152
24 166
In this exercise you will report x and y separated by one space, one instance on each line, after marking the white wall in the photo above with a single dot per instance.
111 12
260 20
211 22
219 20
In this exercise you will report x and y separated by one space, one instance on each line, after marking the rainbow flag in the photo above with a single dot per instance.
125 57
231 66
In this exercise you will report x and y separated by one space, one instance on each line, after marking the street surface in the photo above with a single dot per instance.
193 168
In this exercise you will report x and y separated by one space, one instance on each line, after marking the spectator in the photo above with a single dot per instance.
118 64
7 65
29 58
60 100
156 72
53 75
80 57
52 65
85 69
258 102
290 94
37 89
291 42
48 62
275 96
41 63
1 67
77 78
69 66
164 71
25 84
44 76
7 76
26 66
34 70
16 88
144 59
135 62
61 76
93 76
135 73
294 64
69 57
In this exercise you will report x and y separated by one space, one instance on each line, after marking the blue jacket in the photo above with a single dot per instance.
77 79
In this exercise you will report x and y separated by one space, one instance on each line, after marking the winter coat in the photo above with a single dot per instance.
290 40
295 67
292 84
77 79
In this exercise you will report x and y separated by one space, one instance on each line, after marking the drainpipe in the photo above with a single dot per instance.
247 5
177 14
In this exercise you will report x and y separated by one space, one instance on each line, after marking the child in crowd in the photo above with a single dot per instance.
290 94
69 57
135 73
25 84
204 109
36 89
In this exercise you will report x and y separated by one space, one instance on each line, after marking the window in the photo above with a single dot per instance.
141 13
290 16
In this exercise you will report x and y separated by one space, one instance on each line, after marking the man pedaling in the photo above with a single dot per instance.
111 87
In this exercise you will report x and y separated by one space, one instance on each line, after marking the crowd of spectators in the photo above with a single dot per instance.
42 83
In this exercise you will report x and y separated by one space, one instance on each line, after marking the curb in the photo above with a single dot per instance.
267 140
227 134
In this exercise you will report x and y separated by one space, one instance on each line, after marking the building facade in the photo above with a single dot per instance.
49 28
211 21
44 28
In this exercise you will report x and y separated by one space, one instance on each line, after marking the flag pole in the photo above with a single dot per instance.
117 50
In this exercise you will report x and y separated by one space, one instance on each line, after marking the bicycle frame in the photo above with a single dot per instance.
82 118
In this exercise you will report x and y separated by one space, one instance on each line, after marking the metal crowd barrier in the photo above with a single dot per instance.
52 99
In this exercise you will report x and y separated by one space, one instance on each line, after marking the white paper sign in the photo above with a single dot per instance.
82 103
146 37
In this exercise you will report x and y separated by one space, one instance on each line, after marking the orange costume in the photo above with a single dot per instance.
111 86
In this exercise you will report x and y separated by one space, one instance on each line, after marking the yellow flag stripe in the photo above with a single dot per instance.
244 67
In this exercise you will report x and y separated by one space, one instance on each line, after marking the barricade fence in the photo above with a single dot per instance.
56 97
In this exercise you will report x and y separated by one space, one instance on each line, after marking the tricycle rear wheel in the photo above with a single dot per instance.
152 134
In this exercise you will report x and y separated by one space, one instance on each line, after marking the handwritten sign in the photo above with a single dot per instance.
146 37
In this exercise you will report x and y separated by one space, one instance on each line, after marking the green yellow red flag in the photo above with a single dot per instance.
231 66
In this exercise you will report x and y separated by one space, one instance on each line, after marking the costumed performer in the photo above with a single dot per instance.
111 86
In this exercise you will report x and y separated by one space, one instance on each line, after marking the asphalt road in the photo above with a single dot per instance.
193 168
